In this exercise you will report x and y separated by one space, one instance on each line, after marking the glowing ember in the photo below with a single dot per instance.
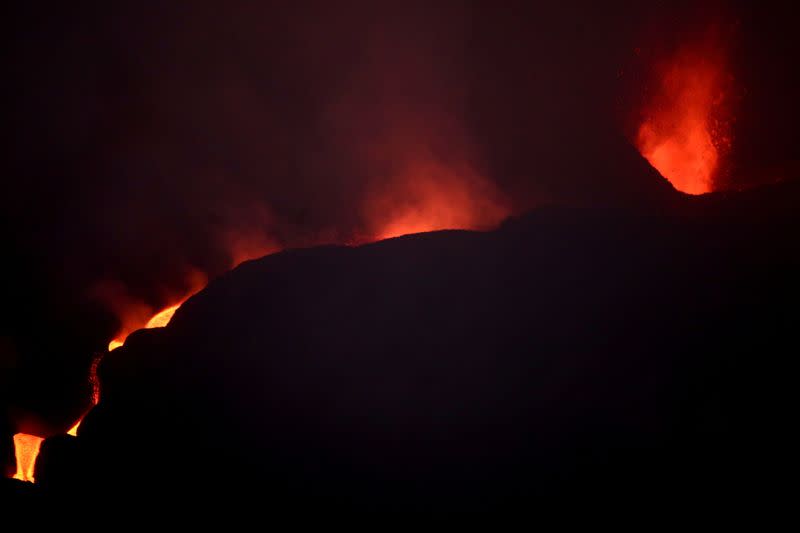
26 448
685 131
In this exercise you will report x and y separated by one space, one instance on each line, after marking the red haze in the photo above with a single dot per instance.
427 196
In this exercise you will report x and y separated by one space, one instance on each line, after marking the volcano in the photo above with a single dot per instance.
573 354
336 258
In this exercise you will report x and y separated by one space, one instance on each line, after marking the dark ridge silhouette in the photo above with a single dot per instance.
19 497
7 461
573 356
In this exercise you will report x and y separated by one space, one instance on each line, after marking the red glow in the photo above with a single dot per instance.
430 196
26 449
247 245
685 131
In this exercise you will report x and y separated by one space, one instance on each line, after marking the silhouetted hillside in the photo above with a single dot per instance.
573 355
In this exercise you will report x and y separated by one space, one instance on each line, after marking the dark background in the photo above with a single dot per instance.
142 139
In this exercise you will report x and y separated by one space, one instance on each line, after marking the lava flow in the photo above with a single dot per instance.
686 131
159 320
26 449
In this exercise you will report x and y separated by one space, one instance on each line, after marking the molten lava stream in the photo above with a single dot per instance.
26 449
74 429
159 320
447 203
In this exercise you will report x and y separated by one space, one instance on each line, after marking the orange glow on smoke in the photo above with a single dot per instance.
430 196
685 131
26 449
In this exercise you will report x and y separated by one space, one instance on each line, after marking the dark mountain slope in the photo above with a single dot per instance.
572 355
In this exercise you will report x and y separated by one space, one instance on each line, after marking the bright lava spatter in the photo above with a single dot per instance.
685 130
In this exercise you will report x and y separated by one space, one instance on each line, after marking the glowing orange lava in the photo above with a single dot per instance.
162 318
116 343
74 429
26 449
159 320
427 195
685 131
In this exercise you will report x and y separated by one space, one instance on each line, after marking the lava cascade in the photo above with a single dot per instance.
26 449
